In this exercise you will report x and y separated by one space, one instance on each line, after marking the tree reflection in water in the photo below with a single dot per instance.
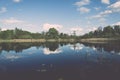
113 47
19 47
77 62
52 46
55 47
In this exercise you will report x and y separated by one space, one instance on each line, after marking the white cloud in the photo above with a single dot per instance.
106 12
47 26
115 7
76 29
83 30
96 16
102 14
118 23
11 21
16 1
80 6
92 29
30 27
83 10
3 29
3 10
105 1
82 3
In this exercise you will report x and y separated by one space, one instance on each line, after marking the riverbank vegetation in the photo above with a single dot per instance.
21 34
106 32
102 35
109 33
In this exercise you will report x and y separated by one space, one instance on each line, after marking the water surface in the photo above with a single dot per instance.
59 61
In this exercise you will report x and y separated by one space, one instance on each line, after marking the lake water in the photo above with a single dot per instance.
59 61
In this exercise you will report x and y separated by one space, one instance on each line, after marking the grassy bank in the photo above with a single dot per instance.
99 40
38 40
88 40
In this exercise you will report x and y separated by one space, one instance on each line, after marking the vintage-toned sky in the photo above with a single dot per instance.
64 15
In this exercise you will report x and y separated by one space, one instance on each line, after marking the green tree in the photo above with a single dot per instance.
8 34
117 30
108 31
53 33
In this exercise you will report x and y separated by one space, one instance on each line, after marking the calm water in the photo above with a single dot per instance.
59 61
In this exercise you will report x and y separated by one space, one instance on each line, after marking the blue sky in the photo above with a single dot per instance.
64 15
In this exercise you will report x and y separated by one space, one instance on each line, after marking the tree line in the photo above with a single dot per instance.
21 34
52 33
106 32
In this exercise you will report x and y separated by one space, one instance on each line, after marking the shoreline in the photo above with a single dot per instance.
100 40
87 40
36 40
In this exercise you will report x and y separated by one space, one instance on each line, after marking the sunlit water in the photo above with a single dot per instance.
59 61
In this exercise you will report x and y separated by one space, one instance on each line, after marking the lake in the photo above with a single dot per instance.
59 61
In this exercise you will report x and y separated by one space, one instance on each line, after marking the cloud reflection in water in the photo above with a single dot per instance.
76 47
11 57
47 51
